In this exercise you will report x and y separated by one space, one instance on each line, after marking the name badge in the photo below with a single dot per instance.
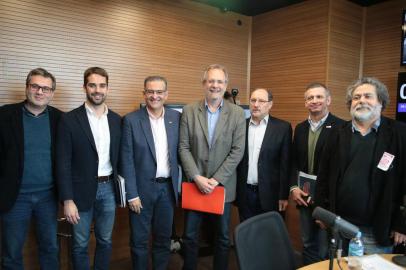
386 161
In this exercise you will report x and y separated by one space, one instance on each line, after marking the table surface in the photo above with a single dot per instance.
324 264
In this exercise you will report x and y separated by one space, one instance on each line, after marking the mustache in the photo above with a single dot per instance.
363 106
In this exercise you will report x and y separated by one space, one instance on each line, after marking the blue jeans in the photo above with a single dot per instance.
157 212
103 213
193 220
315 239
42 206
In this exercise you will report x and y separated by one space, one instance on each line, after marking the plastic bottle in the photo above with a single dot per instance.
356 248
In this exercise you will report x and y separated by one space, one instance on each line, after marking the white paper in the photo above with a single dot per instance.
376 262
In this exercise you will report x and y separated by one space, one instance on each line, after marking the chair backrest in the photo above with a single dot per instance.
262 243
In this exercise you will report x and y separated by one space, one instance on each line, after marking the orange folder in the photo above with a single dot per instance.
193 199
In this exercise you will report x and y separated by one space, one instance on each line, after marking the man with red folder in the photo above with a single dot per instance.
211 144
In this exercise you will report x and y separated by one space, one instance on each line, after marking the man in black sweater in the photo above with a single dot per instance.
362 174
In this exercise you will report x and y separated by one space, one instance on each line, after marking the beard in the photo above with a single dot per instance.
91 98
364 112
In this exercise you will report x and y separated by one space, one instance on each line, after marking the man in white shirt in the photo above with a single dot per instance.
263 173
150 169
88 143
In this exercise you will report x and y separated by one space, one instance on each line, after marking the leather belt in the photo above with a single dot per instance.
163 179
102 179
252 187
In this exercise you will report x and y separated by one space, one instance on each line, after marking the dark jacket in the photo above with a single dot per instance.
12 150
300 146
273 165
77 158
387 187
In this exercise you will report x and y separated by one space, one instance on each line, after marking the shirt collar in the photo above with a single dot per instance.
374 126
154 117
316 125
91 112
207 106
264 121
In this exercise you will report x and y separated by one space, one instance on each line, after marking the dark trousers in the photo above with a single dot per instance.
251 206
193 220
157 212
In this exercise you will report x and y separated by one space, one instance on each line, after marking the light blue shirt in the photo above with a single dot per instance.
212 119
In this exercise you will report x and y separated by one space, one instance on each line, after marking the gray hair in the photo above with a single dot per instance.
215 66
380 88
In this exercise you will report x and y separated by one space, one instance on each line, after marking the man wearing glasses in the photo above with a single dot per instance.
27 182
150 169
263 174
211 144
87 150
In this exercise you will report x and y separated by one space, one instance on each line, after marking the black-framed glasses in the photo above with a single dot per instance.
45 89
150 92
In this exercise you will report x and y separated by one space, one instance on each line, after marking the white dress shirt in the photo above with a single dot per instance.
161 144
255 137
101 134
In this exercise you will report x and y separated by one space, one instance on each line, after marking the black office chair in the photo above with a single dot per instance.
262 243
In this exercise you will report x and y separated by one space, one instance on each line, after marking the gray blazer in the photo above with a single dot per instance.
219 162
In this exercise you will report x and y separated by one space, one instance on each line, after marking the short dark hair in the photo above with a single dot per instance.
380 88
155 78
316 85
40 72
95 70
270 96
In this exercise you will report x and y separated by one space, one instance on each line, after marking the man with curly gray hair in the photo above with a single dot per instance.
362 176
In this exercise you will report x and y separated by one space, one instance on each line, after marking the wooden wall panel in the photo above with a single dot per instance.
344 51
130 39
289 50
383 44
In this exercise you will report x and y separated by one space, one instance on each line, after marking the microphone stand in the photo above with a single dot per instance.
334 242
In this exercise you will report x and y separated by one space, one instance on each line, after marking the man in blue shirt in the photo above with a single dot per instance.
27 183
211 144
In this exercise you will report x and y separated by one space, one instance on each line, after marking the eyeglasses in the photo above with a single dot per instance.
260 101
45 89
216 81
94 86
150 92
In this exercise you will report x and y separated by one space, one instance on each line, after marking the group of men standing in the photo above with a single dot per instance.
78 155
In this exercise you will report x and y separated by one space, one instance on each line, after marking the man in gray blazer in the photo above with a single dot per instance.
149 165
211 144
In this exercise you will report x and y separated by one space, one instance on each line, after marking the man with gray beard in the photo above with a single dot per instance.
362 174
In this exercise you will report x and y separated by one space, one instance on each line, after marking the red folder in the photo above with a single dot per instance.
193 199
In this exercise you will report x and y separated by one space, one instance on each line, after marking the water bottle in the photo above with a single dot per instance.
356 248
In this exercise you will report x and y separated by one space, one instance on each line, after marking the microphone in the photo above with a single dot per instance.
331 220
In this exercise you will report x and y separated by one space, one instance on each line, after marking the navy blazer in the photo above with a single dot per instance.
77 158
12 150
273 165
138 157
